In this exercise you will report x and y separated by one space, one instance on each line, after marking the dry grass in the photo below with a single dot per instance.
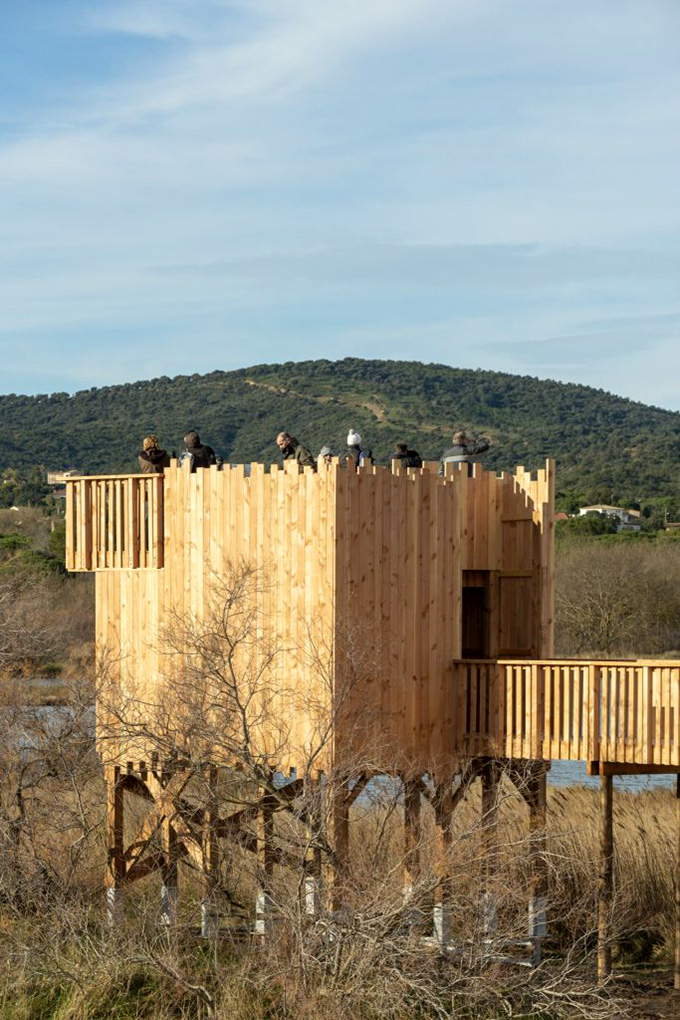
63 961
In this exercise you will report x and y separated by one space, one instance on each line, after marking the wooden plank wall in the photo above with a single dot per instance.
280 526
359 587
404 540
526 578
508 529
398 615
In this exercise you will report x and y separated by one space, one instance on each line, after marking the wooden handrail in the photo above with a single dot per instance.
103 478
114 522
626 711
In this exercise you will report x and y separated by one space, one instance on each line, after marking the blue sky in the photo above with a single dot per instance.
188 185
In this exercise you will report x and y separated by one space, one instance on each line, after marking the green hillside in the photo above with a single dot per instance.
606 447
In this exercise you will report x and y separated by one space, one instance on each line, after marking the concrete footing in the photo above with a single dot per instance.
311 893
210 920
264 921
442 923
169 899
488 914
114 904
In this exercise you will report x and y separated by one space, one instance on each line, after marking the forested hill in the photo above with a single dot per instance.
606 447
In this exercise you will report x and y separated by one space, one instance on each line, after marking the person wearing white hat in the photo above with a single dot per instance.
356 455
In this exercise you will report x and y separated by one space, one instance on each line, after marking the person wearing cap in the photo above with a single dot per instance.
408 458
294 450
465 450
153 459
199 455
325 456
356 455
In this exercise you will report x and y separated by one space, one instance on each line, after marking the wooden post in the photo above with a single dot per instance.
538 912
340 831
115 818
210 920
442 892
312 884
676 980
412 834
265 862
606 880
490 782
412 841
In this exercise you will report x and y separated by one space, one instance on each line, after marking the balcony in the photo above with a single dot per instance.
622 712
114 522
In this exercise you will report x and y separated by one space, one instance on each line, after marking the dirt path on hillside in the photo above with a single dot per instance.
372 407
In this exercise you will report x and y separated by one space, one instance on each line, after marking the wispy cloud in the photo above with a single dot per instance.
341 178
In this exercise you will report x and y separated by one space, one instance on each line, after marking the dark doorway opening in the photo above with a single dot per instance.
475 631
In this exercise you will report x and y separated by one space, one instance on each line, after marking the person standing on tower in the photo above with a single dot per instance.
356 454
294 450
198 455
464 451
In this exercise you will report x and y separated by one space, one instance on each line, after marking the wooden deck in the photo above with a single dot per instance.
617 716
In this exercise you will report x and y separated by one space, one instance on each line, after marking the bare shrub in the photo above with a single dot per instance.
28 521
29 635
45 620
361 950
617 599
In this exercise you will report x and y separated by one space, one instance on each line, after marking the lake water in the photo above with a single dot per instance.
570 773
562 773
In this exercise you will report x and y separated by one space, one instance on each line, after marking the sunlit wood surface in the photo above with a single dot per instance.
366 592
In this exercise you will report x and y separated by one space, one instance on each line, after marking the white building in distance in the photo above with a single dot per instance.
628 520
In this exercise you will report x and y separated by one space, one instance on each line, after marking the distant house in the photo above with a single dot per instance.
59 477
561 516
628 520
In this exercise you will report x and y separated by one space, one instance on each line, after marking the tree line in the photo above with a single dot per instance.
608 449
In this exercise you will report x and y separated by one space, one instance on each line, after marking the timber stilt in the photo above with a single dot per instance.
490 777
606 879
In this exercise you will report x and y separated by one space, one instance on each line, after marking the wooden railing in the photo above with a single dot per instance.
626 712
114 522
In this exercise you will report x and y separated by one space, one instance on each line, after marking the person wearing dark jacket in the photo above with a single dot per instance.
201 456
293 450
464 451
408 458
153 460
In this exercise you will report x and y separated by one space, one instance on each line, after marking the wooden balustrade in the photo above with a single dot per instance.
626 712
114 522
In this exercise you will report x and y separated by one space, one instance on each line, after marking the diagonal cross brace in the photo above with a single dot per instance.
164 808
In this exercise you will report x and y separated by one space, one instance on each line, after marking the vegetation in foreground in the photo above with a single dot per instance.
62 960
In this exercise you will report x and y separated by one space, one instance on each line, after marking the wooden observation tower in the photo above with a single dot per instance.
380 622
